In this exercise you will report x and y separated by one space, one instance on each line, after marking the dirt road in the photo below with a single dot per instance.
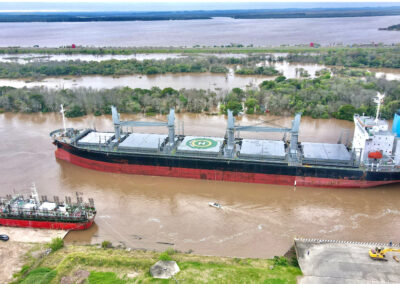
21 241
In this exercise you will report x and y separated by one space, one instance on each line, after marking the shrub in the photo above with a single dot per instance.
166 255
280 78
106 244
56 244
281 261
294 261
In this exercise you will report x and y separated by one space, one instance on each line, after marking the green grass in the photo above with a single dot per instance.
56 244
104 278
41 275
113 265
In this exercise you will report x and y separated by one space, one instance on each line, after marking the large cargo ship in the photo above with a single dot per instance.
29 211
372 160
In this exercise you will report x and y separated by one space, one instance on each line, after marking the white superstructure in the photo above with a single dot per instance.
371 135
373 142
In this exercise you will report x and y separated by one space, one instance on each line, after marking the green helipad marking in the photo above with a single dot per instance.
201 143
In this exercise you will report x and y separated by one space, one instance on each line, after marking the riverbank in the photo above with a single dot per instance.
124 265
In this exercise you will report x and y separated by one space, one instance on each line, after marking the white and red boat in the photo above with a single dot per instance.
29 211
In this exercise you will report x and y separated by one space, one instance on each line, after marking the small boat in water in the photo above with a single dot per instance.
20 211
215 205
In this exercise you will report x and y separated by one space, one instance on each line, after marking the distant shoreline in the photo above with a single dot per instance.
196 15
391 28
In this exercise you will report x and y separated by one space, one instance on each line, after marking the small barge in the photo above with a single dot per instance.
20 211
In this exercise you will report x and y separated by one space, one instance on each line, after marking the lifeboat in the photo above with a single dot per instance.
375 155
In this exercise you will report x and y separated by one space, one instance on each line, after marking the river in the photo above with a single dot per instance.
147 212
216 31
212 81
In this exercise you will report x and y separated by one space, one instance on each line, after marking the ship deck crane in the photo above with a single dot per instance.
294 131
170 124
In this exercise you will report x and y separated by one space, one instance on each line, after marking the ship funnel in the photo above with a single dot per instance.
396 123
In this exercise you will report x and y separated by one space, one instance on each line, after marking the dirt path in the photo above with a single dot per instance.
11 255
21 240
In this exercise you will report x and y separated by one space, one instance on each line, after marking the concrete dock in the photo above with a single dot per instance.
326 262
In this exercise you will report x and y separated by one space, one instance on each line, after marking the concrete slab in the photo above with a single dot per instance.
344 262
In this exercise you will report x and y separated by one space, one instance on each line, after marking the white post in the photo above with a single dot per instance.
63 118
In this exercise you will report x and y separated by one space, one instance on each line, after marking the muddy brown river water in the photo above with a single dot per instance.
155 212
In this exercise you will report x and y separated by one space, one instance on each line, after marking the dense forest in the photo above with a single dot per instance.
347 92
83 101
358 57
321 97
248 65
108 67
229 48
115 67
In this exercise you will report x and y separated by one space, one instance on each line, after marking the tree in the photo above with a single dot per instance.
280 78
75 111
234 106
251 105
346 112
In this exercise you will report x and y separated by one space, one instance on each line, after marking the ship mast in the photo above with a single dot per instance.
63 118
378 100
35 195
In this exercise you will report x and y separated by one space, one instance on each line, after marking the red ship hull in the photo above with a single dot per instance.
45 224
215 174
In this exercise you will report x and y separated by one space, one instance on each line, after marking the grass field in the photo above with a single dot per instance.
116 265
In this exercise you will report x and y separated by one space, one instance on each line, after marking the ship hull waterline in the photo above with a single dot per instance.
78 157
52 225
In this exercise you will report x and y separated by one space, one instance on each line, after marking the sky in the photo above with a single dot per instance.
176 5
